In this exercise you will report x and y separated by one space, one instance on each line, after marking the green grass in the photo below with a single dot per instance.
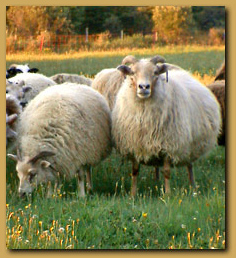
196 59
109 218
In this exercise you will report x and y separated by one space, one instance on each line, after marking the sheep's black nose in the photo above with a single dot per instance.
144 87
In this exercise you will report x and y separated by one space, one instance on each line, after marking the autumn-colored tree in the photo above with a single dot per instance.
171 23
34 20
26 20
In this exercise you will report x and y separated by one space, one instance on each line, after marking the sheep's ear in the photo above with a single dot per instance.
11 119
162 69
33 70
18 71
44 164
125 69
26 89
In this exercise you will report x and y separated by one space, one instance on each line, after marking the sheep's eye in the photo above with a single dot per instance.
156 73
31 176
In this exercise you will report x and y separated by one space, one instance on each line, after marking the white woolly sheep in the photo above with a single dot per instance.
14 69
75 78
163 119
13 110
28 83
63 131
108 82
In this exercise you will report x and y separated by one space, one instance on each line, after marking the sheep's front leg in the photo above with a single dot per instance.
81 183
135 170
167 175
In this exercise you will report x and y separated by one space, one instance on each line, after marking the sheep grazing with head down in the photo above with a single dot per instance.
62 132
163 117
67 77
14 69
25 86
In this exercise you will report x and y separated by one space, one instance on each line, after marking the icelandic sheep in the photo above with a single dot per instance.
13 110
75 78
30 83
62 132
218 89
14 69
163 117
108 82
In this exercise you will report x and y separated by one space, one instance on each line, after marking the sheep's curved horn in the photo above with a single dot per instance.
157 59
129 59
42 154
12 156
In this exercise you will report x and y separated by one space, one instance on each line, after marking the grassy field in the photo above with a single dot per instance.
109 218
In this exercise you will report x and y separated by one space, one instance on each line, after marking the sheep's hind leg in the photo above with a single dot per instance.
135 170
167 176
81 183
190 175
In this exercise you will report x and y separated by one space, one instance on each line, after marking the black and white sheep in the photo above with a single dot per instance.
14 69
63 131
163 117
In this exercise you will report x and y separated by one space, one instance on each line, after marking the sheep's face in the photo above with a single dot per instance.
32 171
17 89
143 75
30 175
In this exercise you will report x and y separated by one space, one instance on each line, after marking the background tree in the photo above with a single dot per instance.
207 17
172 22
26 20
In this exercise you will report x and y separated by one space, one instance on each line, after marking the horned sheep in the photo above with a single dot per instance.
63 131
163 117
28 83
75 78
